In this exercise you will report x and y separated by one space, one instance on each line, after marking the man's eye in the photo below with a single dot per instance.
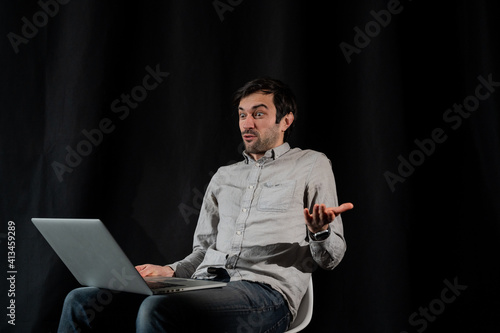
242 116
258 114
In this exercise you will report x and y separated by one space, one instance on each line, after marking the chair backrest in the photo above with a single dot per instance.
304 314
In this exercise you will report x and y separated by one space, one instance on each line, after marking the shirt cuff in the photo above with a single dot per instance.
179 270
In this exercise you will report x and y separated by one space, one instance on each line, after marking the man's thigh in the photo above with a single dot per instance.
241 306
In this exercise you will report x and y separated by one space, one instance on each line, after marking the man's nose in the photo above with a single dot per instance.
248 123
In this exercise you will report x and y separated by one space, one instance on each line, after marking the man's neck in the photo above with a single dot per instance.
257 156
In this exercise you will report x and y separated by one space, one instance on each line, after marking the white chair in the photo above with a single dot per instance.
304 314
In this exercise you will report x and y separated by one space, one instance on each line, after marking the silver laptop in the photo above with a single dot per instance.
95 259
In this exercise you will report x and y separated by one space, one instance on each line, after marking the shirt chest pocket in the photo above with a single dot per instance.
276 197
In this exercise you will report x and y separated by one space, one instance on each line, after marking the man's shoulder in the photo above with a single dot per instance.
306 153
231 166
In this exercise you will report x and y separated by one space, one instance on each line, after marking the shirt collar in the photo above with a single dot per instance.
273 153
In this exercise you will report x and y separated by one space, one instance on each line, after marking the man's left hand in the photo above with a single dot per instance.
322 216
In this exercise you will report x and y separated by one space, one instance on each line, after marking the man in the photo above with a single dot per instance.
264 227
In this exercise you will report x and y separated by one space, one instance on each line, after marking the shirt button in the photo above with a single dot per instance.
229 266
250 187
244 210
257 165
238 232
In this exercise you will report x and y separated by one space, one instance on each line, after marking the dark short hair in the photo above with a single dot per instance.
283 97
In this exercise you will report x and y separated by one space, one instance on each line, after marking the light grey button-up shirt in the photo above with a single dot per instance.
252 222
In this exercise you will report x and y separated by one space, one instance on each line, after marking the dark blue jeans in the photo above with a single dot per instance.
239 307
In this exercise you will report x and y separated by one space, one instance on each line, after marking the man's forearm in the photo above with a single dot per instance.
186 267
329 252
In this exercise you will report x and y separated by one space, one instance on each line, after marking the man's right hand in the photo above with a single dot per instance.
155 270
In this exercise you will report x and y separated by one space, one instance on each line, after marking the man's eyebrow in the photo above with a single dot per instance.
254 107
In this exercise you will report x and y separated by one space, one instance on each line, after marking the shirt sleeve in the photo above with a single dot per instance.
205 234
321 189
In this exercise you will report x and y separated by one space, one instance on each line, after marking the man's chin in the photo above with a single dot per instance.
250 149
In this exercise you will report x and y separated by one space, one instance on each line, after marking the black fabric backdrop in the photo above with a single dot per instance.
88 131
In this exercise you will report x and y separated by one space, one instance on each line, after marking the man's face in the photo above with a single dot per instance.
258 127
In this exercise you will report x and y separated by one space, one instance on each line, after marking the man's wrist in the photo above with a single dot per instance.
170 270
320 235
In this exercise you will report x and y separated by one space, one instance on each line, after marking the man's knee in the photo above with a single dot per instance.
74 316
146 314
80 296
160 312
148 309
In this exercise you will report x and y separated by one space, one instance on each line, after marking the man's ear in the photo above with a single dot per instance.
286 121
